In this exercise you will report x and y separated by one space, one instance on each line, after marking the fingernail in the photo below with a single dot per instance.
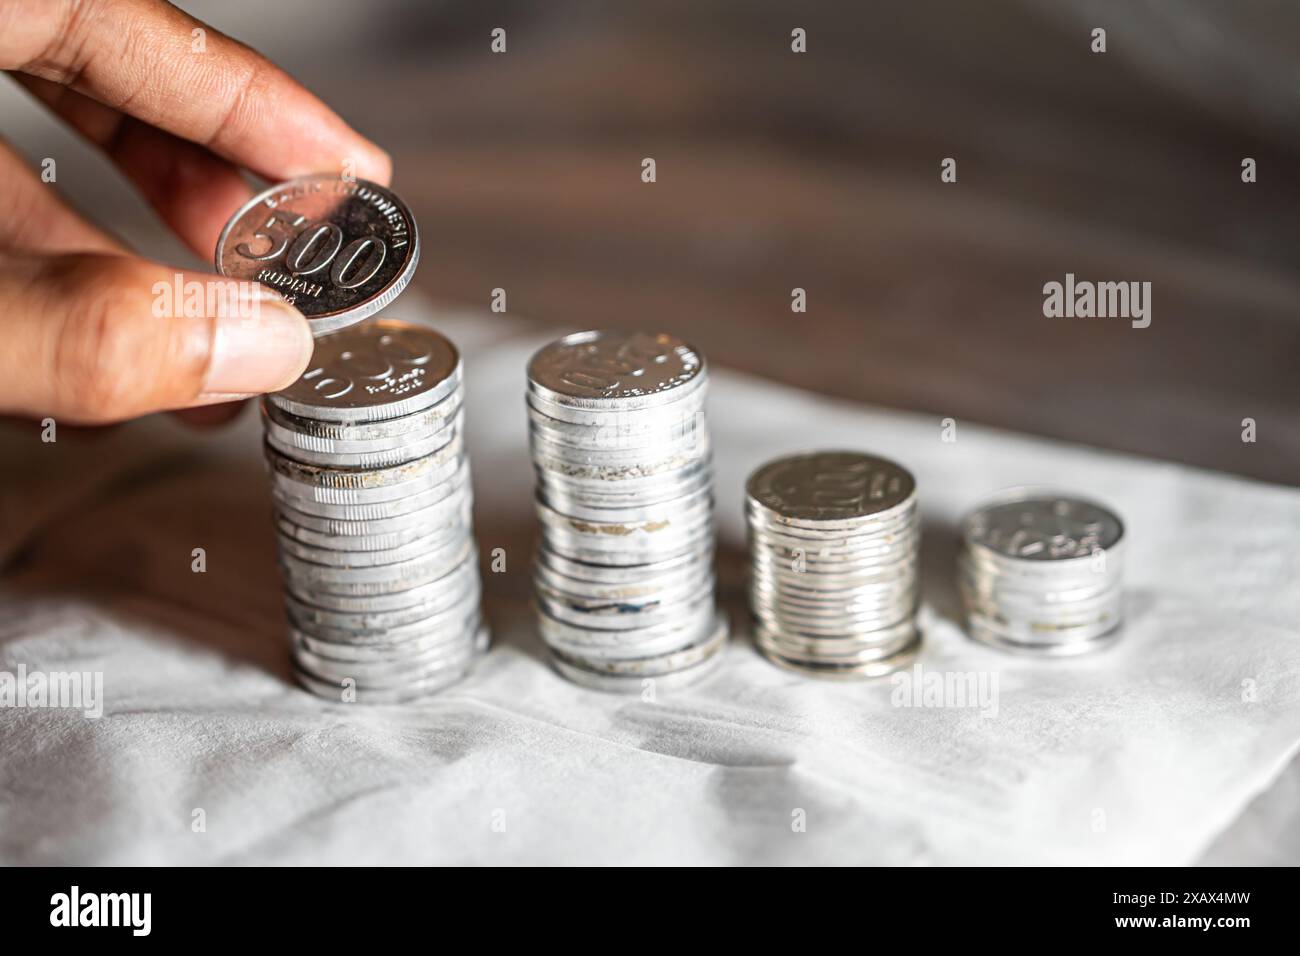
263 349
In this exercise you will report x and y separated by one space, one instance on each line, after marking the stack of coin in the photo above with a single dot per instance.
624 574
1042 572
371 488
834 544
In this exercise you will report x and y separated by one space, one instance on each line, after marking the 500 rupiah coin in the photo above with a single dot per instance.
336 249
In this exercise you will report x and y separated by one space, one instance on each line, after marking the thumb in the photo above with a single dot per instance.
101 338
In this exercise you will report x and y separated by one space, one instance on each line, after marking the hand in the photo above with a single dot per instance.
81 338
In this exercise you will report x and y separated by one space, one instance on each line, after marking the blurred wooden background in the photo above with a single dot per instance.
821 171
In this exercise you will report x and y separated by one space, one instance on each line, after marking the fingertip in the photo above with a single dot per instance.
381 164
265 350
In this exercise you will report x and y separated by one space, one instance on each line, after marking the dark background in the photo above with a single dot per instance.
821 171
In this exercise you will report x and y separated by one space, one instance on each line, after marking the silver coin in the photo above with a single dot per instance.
643 590
379 532
682 630
639 683
382 458
422 686
647 471
363 616
701 496
380 579
1086 642
692 562
818 652
688 521
391 667
830 489
623 615
835 671
672 412
657 664
614 369
417 595
381 370
624 585
418 547
300 446
338 250
630 555
451 480
834 544
317 483
628 434
1041 572
562 492
436 630
316 435
1030 526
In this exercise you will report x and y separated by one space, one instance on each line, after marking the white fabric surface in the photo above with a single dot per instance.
1140 755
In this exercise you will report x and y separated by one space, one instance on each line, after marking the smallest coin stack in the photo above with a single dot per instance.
834 547
1041 572
371 488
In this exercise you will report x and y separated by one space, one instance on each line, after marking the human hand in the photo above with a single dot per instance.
178 112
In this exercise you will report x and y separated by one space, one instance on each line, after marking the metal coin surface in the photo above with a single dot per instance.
1039 527
337 249
830 488
613 368
381 370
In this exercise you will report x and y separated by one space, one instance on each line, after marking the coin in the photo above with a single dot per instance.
612 370
382 370
337 249
623 583
834 547
1041 572
370 479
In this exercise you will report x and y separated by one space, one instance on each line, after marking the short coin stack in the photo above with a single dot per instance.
834 544
624 576
1042 572
372 495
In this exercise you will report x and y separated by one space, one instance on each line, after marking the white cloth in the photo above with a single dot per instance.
1139 755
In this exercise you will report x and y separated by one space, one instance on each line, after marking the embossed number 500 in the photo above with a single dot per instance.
309 249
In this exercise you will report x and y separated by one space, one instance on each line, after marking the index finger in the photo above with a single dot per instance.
164 67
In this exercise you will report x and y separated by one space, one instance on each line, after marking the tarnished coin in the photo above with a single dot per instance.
828 490
381 370
337 249
294 431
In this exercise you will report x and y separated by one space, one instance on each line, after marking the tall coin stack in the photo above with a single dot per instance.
624 575
1042 573
834 545
372 496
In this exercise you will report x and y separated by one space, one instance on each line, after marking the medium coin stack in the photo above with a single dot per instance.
624 576
372 497
1042 572
834 545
